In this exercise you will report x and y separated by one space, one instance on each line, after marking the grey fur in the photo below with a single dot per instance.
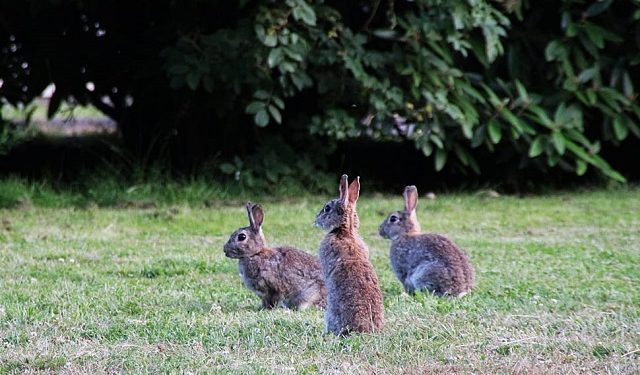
421 261
279 274
354 299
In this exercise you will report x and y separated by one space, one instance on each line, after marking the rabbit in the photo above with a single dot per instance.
422 261
275 274
354 302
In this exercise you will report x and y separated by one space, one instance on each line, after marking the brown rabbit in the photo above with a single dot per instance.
429 262
354 301
275 274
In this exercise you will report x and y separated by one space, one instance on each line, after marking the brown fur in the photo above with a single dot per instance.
354 301
429 262
280 274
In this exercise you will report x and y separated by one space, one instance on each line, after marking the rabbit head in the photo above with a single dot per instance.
247 241
341 212
402 222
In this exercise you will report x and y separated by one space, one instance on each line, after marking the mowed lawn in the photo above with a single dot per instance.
148 290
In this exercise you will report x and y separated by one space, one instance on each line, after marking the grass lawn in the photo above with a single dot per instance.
148 290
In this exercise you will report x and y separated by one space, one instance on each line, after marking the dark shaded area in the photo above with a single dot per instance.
391 166
61 159
386 166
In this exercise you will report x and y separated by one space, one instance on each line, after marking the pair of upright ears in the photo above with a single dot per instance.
256 216
349 193
410 198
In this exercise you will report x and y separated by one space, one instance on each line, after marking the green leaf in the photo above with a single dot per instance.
591 96
436 140
261 118
309 16
540 116
471 91
619 129
495 133
537 146
426 149
577 136
587 74
270 40
461 153
261 94
558 142
275 57
294 54
493 98
627 85
287 67
611 95
440 159
597 8
595 33
581 167
633 127
554 50
565 20
615 175
193 79
254 107
260 32
304 12
596 161
278 102
275 113
520 126
478 136
522 92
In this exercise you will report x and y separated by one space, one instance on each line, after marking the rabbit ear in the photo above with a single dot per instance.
256 216
344 189
354 190
410 198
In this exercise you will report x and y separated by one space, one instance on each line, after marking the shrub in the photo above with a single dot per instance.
545 83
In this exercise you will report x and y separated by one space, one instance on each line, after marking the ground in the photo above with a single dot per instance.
147 289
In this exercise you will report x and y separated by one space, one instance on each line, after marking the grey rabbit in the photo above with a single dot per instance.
421 261
275 274
354 302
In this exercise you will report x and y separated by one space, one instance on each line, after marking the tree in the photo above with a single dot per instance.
545 83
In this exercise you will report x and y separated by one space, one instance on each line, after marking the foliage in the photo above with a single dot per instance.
541 85
12 134
276 163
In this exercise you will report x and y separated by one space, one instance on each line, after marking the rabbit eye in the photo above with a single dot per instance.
393 219
242 237
327 208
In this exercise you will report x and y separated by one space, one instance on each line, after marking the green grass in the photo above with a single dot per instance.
144 191
147 289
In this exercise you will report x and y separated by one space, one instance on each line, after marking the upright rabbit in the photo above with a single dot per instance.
354 301
429 262
275 274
